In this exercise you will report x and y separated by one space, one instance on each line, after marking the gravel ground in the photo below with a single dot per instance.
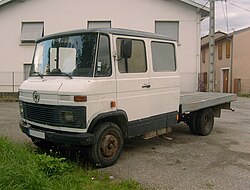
218 161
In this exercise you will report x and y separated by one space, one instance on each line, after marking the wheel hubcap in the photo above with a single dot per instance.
109 145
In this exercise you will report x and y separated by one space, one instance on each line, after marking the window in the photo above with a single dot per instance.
228 49
163 56
137 63
30 31
68 55
203 56
168 28
99 24
220 51
26 69
103 64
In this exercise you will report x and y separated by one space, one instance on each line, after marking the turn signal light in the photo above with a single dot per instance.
113 104
80 98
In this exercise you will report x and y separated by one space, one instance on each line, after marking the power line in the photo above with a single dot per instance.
239 7
205 4
225 13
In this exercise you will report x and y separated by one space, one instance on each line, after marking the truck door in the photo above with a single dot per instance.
165 82
133 84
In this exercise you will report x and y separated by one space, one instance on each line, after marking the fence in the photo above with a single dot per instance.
240 86
10 81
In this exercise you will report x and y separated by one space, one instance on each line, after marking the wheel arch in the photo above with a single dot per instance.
118 117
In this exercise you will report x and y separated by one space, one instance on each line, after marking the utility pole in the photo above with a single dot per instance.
211 46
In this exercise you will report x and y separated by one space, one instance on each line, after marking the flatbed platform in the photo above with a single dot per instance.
193 101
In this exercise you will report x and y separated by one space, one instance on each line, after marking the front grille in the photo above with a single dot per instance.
52 115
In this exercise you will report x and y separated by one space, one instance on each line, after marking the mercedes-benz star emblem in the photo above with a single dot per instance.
36 97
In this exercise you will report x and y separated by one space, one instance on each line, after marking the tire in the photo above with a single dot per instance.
192 124
108 145
204 122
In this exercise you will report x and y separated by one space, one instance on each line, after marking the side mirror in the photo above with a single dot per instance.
126 48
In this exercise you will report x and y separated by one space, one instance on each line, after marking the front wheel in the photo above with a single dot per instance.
108 144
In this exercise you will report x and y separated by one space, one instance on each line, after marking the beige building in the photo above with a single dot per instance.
232 62
22 21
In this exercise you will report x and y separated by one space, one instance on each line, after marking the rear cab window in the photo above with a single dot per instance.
163 56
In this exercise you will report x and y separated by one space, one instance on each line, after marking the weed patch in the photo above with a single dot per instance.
22 168
244 95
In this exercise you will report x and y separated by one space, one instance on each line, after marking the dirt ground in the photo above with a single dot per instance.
218 161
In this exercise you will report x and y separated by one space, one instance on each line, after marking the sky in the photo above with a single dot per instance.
234 12
231 15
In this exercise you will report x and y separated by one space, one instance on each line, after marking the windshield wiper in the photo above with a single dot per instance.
39 74
66 74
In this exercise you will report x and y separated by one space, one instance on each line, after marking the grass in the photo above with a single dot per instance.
8 97
244 95
209 184
22 168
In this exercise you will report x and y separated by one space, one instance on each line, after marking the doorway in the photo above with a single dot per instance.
225 75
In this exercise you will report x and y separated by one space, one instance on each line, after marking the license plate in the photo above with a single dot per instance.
37 134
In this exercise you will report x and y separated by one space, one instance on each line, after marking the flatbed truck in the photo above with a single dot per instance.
94 88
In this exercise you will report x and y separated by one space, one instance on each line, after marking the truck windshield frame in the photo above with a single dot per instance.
71 55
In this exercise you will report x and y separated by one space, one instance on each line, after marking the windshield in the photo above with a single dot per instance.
68 55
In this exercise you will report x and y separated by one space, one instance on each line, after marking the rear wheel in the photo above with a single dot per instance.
108 144
204 122
192 123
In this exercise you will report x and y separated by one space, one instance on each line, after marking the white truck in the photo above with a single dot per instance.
94 88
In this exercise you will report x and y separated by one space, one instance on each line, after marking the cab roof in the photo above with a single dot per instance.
116 31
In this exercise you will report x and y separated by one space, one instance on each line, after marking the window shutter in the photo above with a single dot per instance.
203 56
220 51
31 31
228 49
99 24
168 28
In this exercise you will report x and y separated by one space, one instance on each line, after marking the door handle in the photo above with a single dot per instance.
146 86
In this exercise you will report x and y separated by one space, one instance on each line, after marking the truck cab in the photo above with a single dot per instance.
97 87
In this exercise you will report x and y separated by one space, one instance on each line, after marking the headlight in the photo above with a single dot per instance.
21 109
67 117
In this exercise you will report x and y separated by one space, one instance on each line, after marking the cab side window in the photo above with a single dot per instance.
137 63
163 55
103 66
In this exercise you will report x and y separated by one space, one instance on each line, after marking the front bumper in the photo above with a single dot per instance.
62 138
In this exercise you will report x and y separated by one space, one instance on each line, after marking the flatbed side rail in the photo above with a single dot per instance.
190 102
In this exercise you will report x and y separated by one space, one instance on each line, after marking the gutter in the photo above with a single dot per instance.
5 2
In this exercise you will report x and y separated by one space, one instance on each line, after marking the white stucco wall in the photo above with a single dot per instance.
62 15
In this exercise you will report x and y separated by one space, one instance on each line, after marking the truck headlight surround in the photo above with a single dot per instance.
21 109
67 116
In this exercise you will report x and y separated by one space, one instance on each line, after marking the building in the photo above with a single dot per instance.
22 21
222 64
232 63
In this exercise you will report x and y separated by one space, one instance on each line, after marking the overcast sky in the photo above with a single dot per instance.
237 12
